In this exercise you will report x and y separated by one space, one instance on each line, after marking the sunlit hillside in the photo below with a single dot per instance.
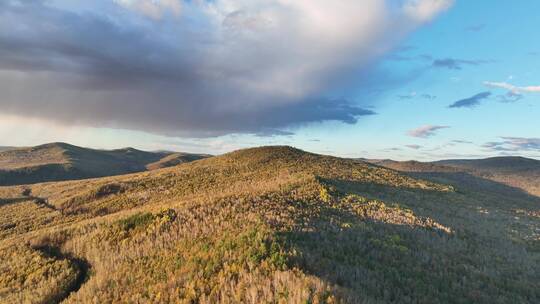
269 225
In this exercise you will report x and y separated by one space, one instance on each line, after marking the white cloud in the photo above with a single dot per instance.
300 45
424 11
512 88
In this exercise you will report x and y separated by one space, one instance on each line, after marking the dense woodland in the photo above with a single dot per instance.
270 225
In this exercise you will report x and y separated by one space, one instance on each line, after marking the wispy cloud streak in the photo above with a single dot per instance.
426 131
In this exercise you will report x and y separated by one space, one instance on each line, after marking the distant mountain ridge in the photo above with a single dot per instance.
61 161
175 159
519 172
507 163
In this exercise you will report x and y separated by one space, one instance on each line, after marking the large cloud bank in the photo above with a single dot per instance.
196 68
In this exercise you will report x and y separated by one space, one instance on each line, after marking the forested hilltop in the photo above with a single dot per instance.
270 225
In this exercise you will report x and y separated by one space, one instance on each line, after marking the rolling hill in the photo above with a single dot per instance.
269 225
518 172
61 161
174 159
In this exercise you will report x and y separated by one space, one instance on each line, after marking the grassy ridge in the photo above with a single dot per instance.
279 225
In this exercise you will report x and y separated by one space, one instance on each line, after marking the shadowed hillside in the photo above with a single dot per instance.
502 164
60 161
516 172
268 225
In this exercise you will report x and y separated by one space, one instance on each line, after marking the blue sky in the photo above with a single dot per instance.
402 79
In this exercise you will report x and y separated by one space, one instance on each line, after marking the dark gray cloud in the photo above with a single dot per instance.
514 144
457 64
199 74
471 101
414 147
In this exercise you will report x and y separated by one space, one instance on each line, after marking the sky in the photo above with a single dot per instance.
400 79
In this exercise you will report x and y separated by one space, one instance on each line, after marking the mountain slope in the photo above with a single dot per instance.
60 161
267 225
175 159
518 172
510 164
413 166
